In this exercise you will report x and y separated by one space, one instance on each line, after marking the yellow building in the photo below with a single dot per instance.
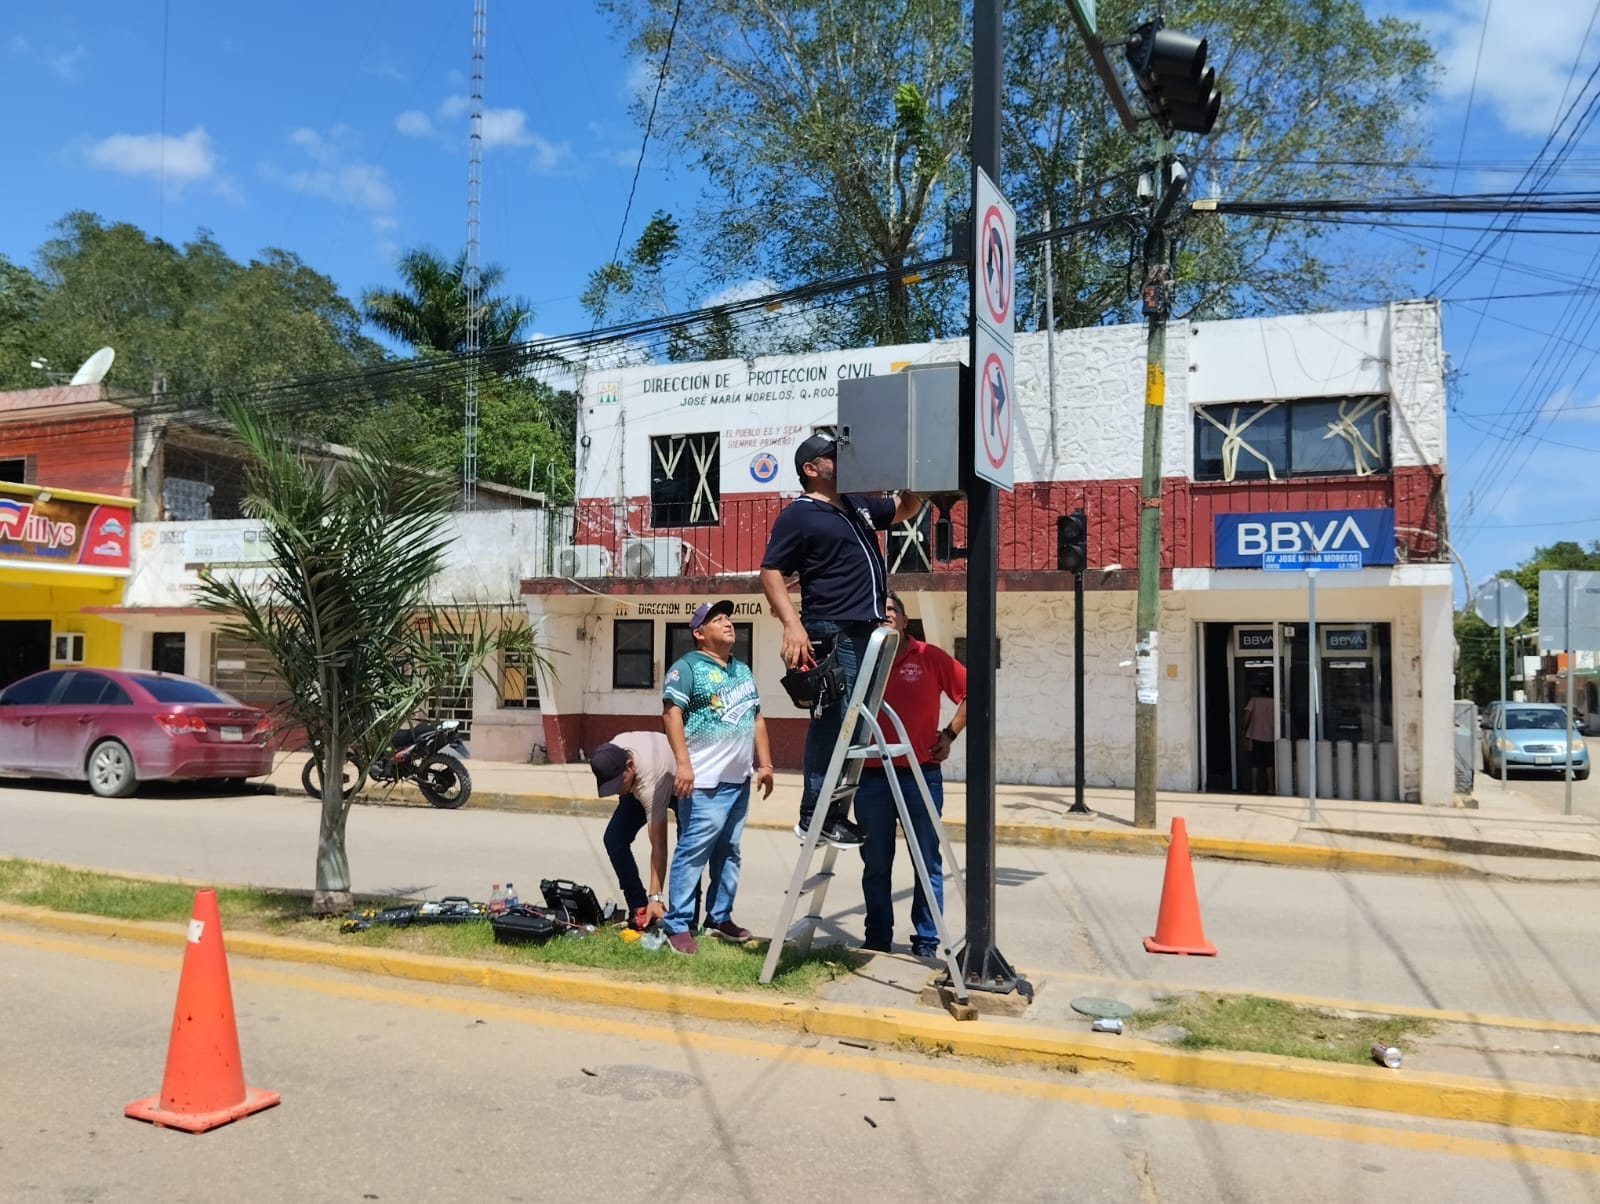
63 553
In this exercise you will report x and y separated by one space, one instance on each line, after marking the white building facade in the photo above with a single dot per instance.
1321 433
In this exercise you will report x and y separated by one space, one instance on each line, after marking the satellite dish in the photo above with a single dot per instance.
94 368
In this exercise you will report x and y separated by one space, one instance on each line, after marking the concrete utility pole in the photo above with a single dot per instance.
1157 301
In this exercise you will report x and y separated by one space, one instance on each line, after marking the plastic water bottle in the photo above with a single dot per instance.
497 901
512 902
652 940
1386 1055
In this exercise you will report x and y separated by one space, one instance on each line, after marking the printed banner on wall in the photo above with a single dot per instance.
63 531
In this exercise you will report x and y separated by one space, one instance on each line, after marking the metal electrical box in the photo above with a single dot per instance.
901 431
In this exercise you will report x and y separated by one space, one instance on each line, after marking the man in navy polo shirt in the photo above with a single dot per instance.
830 540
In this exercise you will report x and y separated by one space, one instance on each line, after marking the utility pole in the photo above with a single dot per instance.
1156 295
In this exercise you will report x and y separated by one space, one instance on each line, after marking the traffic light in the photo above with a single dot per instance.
1072 542
1179 89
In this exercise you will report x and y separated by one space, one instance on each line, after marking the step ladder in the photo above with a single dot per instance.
861 735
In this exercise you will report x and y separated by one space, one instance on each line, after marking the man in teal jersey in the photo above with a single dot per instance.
712 717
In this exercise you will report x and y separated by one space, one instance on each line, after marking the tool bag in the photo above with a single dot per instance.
569 901
818 687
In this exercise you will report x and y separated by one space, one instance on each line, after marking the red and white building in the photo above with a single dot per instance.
1321 432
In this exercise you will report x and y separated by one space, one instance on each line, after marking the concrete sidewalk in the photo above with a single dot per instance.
1506 835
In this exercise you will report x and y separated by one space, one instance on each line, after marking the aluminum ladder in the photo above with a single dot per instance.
865 713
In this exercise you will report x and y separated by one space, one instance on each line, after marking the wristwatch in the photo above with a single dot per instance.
949 731
654 899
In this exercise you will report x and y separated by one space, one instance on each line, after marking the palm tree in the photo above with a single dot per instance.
430 312
354 549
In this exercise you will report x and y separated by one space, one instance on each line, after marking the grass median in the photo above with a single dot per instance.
1206 1020
719 964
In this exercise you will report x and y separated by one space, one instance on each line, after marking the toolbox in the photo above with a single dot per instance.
523 926
571 902
452 909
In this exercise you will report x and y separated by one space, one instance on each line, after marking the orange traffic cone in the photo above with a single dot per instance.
1178 922
203 1086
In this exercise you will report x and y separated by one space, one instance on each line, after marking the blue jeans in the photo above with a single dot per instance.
823 732
626 822
875 812
710 823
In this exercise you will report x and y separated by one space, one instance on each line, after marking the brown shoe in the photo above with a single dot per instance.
729 931
682 942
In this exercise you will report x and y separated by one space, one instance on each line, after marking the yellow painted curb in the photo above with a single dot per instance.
1048 836
1437 1096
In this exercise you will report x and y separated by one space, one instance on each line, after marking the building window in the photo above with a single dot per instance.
67 648
958 649
519 680
680 641
14 470
453 699
633 654
1269 440
911 544
685 480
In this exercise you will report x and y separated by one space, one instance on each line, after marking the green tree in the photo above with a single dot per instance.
830 133
1478 644
429 311
190 315
343 607
835 138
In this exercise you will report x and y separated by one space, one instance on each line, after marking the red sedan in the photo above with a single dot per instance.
119 727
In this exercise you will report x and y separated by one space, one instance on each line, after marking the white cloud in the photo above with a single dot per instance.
1526 57
336 173
414 123
66 64
506 127
181 160
501 128
384 69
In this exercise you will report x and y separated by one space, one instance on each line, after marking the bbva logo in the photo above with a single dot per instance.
1305 535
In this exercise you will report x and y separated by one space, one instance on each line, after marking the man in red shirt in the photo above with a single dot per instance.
921 674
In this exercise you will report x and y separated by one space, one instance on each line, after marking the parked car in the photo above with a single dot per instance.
115 728
1531 735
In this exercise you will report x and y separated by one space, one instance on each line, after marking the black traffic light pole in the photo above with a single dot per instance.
1072 556
983 967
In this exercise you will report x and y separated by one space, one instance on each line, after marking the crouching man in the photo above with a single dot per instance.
712 717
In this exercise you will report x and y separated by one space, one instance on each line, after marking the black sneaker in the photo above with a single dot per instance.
842 834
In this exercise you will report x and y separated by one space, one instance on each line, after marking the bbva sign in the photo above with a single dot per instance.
1243 539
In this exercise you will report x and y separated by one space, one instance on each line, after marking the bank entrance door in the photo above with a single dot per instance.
1241 660
24 648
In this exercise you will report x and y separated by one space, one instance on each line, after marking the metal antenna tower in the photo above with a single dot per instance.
470 277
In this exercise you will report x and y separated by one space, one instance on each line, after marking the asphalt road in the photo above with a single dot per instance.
1549 790
1515 949
397 1092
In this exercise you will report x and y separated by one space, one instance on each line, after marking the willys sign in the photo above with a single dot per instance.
43 530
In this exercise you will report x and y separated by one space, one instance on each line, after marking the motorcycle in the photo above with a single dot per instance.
429 754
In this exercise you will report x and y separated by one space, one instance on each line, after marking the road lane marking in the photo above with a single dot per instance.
864 1063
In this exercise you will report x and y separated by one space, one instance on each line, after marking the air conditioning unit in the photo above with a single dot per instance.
652 557
583 560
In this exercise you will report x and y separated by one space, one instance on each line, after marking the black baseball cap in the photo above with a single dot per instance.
818 445
609 763
709 610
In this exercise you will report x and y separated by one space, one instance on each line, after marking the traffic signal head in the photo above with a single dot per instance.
1072 542
1179 89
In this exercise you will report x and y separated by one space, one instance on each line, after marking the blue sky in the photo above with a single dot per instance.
338 131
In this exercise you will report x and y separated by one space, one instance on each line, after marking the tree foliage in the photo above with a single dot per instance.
1478 667
835 138
190 315
429 311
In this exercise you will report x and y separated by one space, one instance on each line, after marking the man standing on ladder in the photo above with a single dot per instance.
830 540
921 674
